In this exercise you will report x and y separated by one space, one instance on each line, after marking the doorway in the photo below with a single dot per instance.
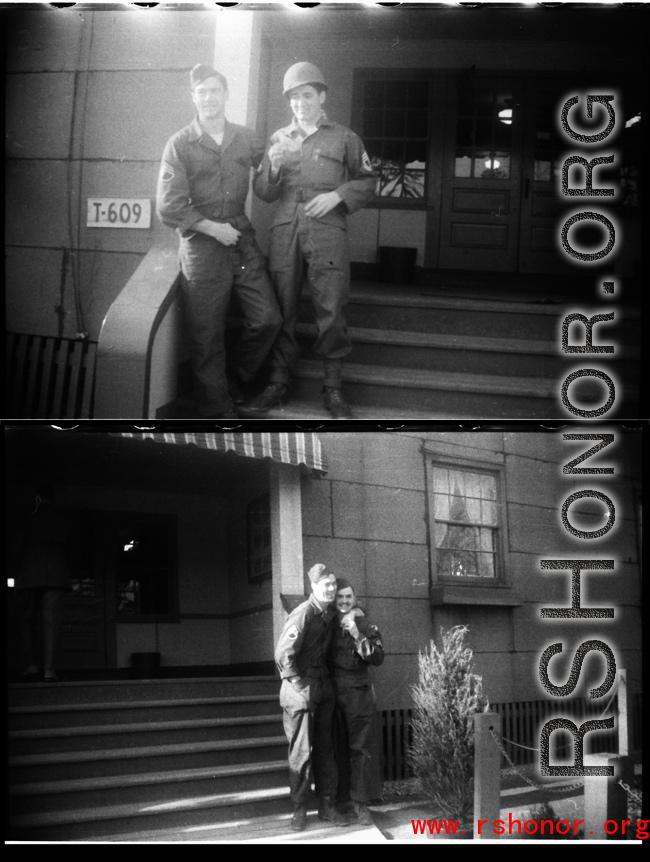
500 207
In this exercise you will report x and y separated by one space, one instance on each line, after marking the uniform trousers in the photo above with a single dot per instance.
325 249
355 710
212 272
308 714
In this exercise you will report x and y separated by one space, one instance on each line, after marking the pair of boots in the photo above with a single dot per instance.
328 811
276 393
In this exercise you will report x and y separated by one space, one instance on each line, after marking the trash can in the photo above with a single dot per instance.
145 665
397 265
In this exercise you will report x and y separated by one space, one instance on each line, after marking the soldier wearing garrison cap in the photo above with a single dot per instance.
202 188
355 645
307 699
319 172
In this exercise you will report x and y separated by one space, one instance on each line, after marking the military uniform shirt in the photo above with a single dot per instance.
305 640
201 180
333 158
346 656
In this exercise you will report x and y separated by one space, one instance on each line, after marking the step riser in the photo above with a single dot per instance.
421 400
135 765
151 794
469 361
142 738
486 324
460 361
474 322
187 822
126 692
129 715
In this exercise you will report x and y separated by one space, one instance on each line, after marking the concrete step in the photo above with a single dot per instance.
180 812
88 738
422 309
262 830
509 357
49 766
121 691
146 788
64 715
449 393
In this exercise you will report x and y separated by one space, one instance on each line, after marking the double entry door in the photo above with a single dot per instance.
501 208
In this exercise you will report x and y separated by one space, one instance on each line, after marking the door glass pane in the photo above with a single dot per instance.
547 140
484 132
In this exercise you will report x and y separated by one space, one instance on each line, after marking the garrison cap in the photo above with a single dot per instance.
202 71
318 572
342 584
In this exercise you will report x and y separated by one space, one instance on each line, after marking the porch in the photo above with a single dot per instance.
451 344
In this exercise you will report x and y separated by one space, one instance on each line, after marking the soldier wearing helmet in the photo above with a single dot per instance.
318 171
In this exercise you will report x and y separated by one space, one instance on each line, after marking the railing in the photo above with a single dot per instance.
520 724
139 344
396 739
49 377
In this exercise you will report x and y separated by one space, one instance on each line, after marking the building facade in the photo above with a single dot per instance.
196 547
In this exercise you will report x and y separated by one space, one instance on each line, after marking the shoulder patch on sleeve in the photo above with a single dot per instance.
292 634
167 174
365 161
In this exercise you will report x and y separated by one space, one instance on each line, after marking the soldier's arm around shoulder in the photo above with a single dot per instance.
370 648
290 642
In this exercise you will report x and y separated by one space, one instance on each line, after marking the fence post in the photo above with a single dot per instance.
605 799
487 773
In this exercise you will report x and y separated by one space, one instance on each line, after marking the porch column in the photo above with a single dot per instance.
286 539
237 55
237 52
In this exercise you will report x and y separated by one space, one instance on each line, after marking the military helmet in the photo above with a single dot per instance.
300 74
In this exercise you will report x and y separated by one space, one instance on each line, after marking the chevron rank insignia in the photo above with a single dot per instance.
365 161
167 173
292 634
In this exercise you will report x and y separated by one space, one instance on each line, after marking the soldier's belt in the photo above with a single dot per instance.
301 196
317 672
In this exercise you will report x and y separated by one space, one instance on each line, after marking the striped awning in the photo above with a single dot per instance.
297 449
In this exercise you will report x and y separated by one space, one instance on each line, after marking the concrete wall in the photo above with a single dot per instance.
92 97
368 521
202 634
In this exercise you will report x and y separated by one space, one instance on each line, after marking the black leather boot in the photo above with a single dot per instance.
274 394
335 403
299 819
327 811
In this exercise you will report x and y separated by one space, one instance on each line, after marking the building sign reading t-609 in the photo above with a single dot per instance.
119 212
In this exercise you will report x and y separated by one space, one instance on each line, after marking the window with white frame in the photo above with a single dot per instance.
465 523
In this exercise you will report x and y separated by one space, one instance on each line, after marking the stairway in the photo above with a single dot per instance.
106 760
475 349
419 350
